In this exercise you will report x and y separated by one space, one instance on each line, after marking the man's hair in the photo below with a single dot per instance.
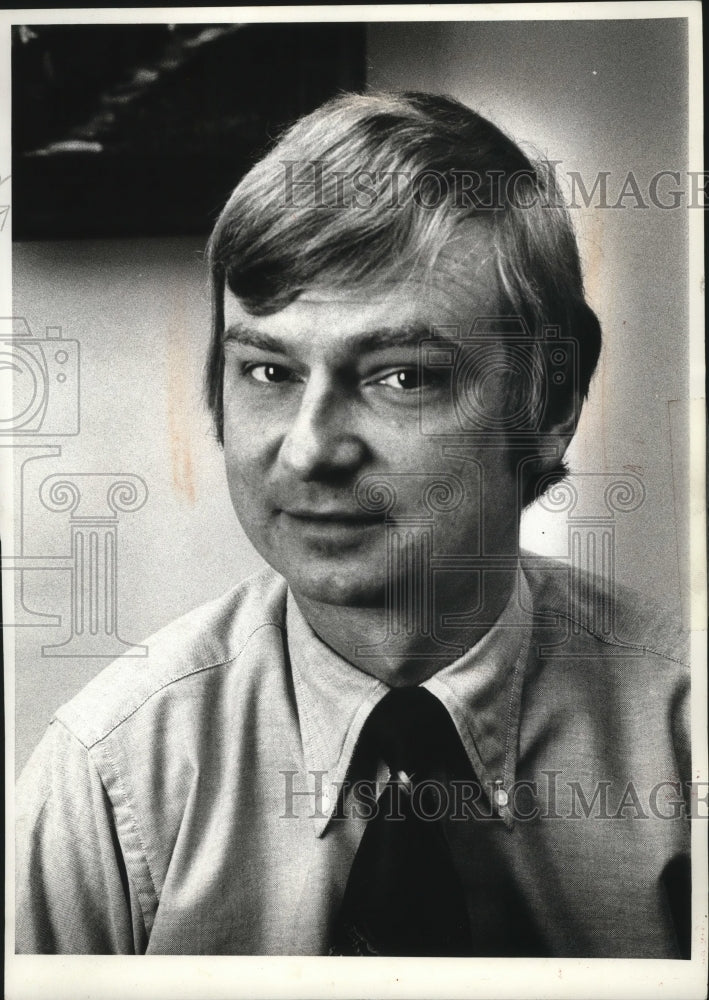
372 188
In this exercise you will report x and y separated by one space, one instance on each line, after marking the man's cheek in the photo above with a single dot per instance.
242 487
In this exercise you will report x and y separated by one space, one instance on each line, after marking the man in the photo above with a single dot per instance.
402 738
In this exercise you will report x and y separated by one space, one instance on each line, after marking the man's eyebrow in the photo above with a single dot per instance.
402 336
369 340
252 338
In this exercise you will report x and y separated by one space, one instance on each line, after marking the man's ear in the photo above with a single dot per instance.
558 433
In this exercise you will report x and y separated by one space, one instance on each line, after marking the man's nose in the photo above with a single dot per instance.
321 442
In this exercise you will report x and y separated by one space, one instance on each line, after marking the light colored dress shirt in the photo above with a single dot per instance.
187 804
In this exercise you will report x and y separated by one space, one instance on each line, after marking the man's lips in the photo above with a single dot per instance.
334 517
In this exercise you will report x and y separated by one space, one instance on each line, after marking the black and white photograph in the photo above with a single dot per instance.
354 521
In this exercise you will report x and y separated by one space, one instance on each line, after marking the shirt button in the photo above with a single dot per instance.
501 798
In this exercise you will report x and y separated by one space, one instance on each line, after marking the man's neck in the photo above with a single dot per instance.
363 635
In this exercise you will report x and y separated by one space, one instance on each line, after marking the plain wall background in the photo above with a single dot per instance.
595 95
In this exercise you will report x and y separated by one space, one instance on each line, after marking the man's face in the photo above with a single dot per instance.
329 391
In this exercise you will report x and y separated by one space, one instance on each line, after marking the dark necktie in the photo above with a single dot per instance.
403 896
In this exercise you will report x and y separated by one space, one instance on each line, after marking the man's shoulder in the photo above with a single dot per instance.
205 639
603 612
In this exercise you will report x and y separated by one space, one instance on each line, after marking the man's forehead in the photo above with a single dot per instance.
462 285
369 319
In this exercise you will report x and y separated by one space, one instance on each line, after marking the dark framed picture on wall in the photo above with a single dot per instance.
353 555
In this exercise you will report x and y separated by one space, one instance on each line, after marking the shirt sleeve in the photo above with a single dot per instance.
73 893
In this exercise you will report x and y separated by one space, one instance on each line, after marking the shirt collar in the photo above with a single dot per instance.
481 690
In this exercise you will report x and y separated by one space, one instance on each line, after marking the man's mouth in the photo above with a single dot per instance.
345 517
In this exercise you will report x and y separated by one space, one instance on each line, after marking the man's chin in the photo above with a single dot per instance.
339 588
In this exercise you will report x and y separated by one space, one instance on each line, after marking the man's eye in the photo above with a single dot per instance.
404 378
269 373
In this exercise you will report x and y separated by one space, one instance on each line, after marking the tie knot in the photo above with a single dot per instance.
412 731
